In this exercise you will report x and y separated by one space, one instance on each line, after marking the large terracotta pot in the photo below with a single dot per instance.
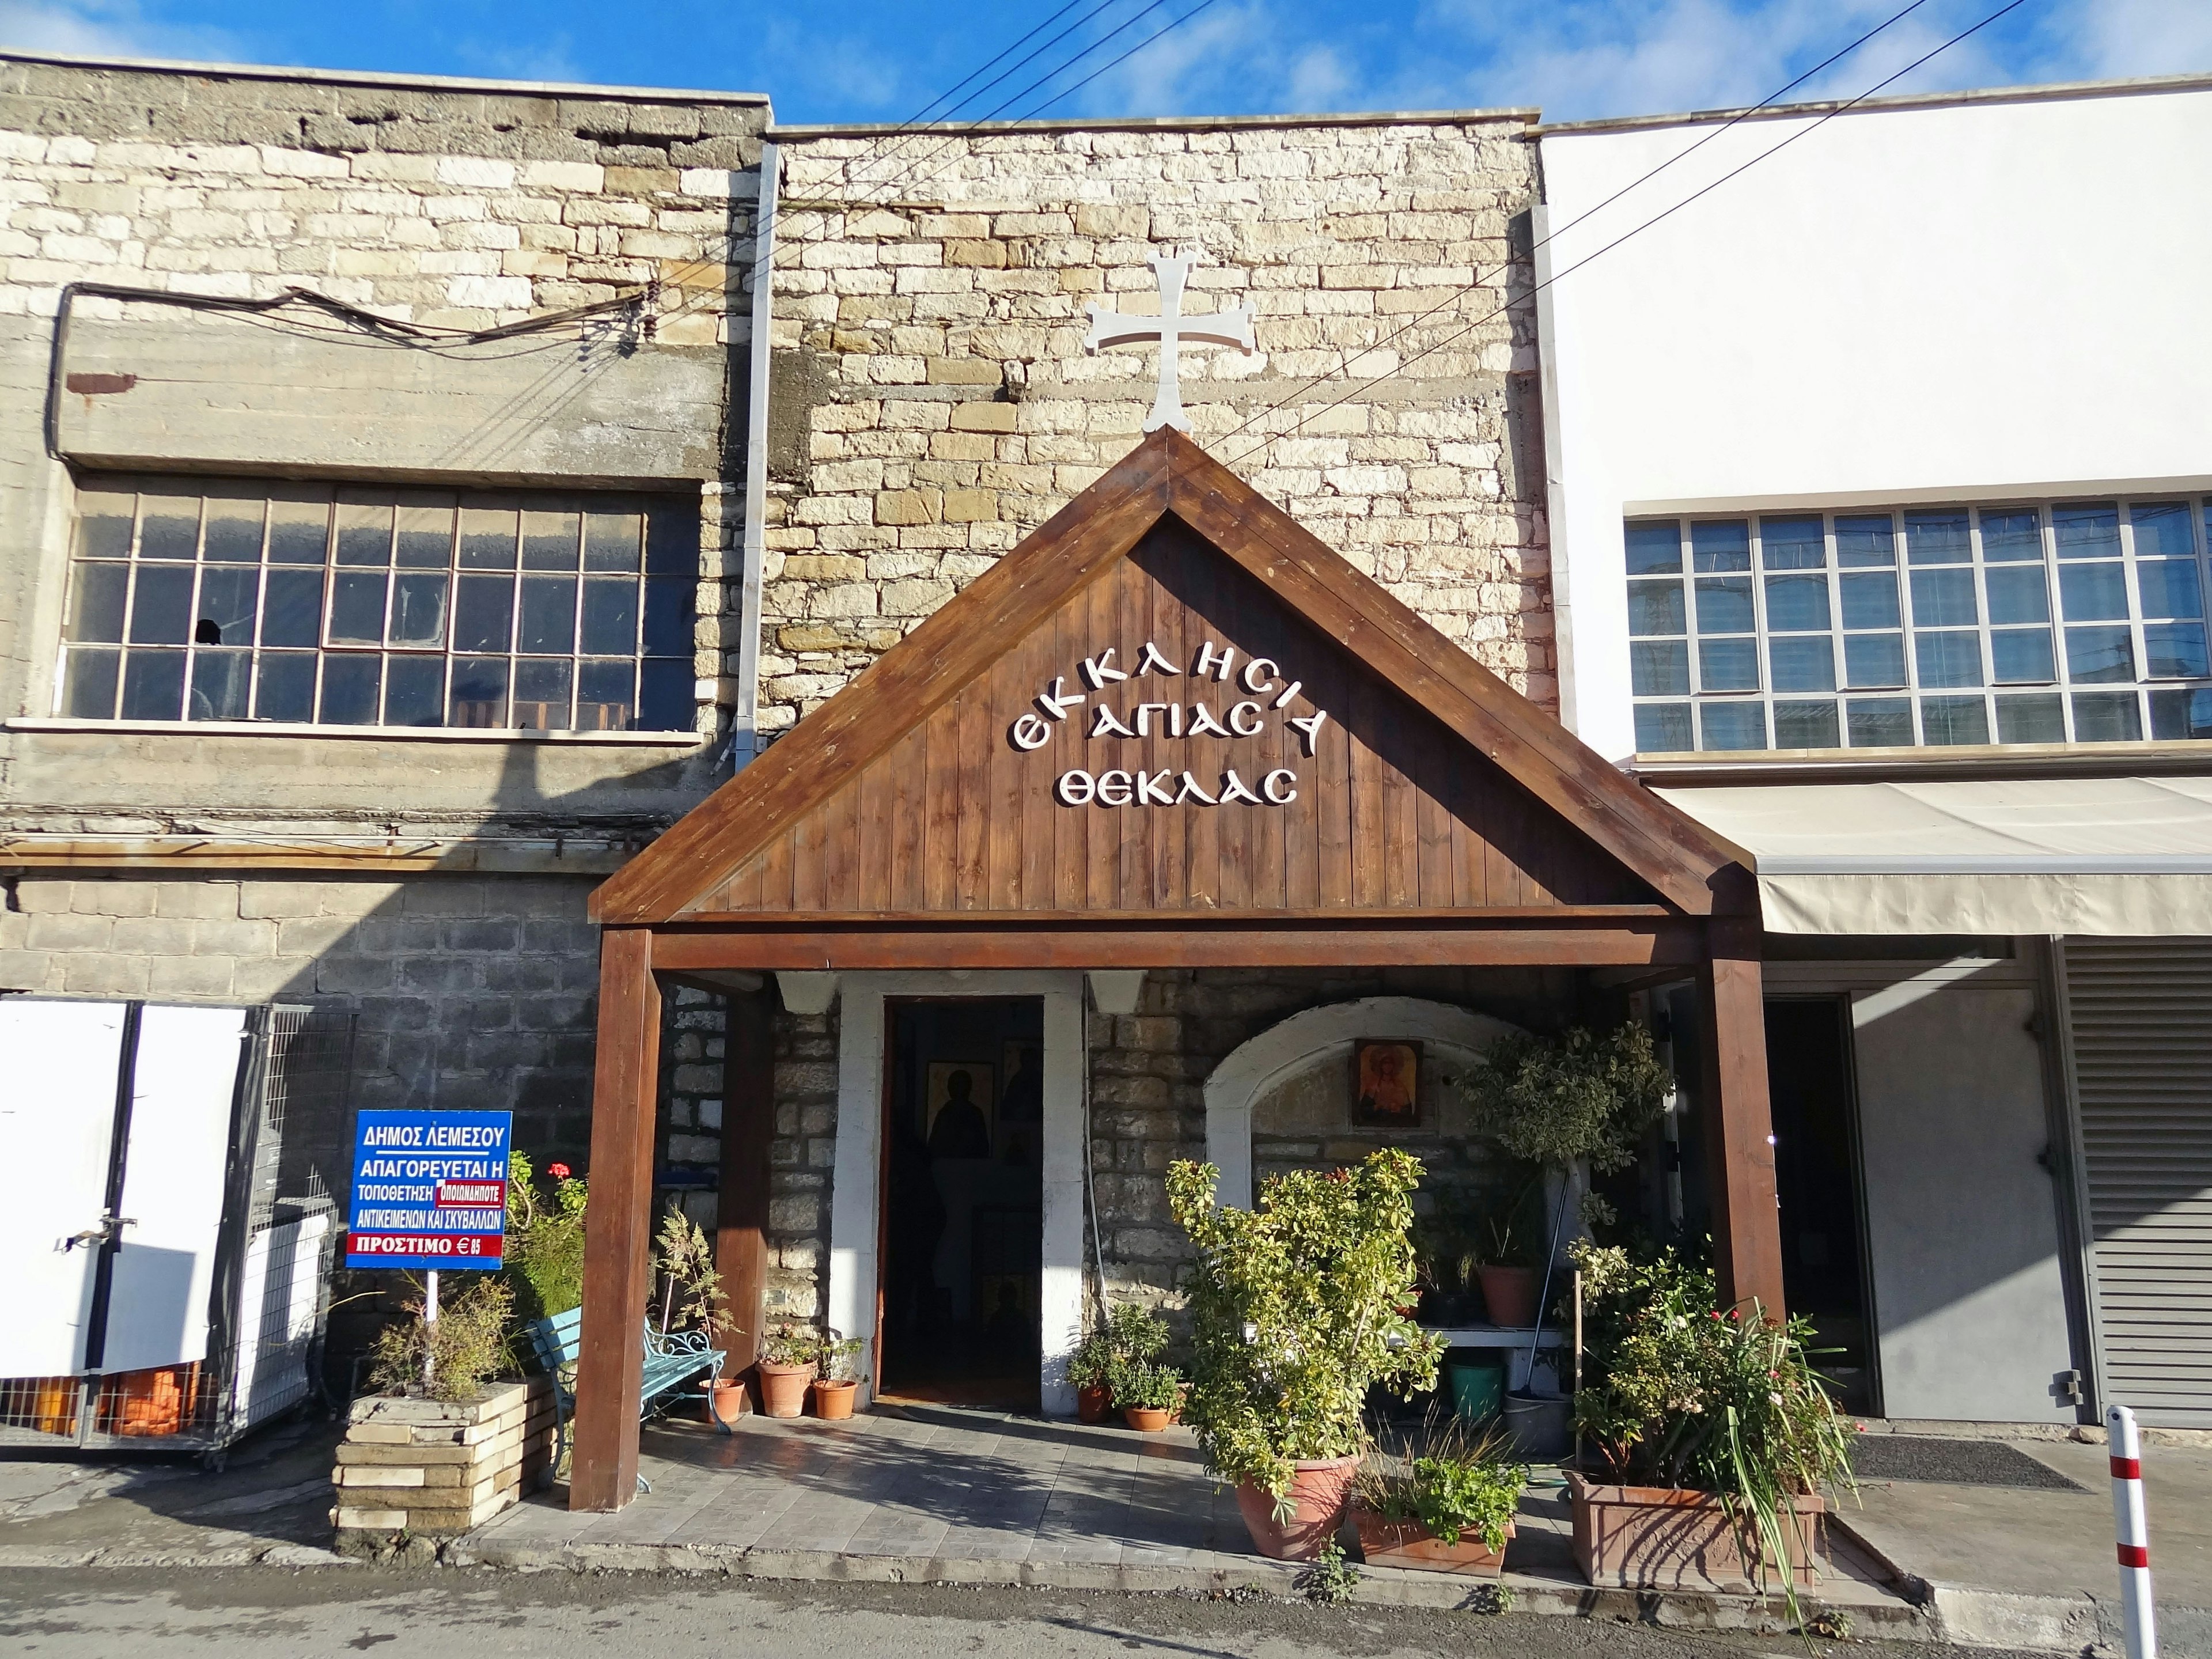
1658 1537
726 1402
1510 1294
1147 1419
1091 1405
1318 1491
783 1388
1387 1543
833 1400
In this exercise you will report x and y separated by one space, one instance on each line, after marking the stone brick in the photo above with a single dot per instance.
984 417
898 506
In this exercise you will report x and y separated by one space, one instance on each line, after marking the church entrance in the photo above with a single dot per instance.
963 1207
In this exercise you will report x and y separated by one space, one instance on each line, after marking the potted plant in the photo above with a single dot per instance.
1149 1397
1129 1335
835 1388
1718 1435
1448 1509
1298 1307
692 1299
789 1353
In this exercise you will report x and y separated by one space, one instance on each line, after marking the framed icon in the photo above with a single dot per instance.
1386 1084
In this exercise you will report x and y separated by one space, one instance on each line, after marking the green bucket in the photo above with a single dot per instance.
1477 1390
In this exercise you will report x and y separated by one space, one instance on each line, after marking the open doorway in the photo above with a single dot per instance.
963 1204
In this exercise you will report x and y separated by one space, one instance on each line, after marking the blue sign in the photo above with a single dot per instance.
429 1189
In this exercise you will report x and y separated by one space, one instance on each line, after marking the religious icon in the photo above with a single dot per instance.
1385 1091
960 1110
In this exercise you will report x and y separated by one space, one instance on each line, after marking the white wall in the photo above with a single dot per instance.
1980 300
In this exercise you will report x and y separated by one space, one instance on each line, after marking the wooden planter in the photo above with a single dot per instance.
435 1468
1387 1543
1658 1538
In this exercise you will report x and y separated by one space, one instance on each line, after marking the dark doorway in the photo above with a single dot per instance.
963 1205
1816 1178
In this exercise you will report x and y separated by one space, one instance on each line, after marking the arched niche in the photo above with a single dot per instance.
1272 1064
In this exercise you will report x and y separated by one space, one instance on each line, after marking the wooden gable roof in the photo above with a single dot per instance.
1037 746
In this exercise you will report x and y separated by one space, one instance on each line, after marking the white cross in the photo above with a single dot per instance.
1232 328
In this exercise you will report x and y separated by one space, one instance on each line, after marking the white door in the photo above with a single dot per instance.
57 1116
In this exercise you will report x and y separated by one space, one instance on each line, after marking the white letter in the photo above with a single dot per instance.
1251 677
1152 660
1289 692
1267 786
1114 788
1236 719
1311 726
1154 791
1144 716
1235 788
1202 723
1098 670
1057 702
1218 666
1103 725
1031 733
1190 787
1074 789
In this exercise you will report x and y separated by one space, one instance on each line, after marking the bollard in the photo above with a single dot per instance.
2139 1615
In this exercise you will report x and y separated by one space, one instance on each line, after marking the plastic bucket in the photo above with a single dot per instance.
1477 1390
1538 1425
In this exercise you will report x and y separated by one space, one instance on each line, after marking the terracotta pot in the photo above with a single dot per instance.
1658 1538
783 1388
1510 1294
1091 1405
1387 1543
1147 1419
1318 1491
833 1400
726 1401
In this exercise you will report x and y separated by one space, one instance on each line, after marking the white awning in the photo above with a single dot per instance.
2126 856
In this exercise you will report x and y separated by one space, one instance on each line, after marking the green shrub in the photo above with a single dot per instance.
466 1347
545 1255
1139 1385
1129 1335
1460 1482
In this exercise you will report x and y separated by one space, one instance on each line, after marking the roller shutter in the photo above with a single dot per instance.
2139 1018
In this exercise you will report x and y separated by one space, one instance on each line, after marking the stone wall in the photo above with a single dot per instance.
802 1157
933 402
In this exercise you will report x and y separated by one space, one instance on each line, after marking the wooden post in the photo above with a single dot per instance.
748 1126
1739 1128
611 1366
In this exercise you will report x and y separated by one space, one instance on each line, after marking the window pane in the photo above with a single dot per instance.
488 538
351 684
1733 724
484 613
89 684
2181 714
222 682
357 607
1661 728
1954 720
292 609
548 614
2086 530
418 608
2174 651
2169 587
1948 659
95 607
2092 591
1795 604
2106 717
2163 530
1655 608
2099 654
234 529
1806 725
414 691
169 526
1879 722
364 532
426 534
665 696
285 687
1939 537
1869 601
2012 537
541 696
670 628
1795 543
1873 659
154 685
228 595
605 694
2022 656
2018 594
1728 665
1802 665
671 542
1654 547
298 531
612 541
2031 720
479 694
549 539
611 616
1723 545
161 607
1659 668
1865 538
1724 604
103 523
1944 599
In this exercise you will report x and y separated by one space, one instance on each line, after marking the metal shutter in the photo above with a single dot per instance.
2140 1025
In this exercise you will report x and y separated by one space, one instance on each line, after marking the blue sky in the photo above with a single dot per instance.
884 60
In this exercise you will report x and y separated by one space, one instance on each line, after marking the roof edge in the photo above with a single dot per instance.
1527 116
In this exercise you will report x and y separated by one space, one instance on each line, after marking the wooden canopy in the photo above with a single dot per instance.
1169 729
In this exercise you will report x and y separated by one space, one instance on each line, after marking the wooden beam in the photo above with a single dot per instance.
748 1127
1738 1125
611 1366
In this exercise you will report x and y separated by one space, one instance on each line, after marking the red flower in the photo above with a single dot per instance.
558 1172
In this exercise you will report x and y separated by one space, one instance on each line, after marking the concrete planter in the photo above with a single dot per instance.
1387 1543
436 1468
1658 1538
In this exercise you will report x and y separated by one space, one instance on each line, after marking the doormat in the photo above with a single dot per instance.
1954 1462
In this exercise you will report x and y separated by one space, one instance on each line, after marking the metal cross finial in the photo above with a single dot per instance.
1231 327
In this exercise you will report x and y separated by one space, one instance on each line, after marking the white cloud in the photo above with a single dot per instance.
1318 80
2141 37
106 29
1177 71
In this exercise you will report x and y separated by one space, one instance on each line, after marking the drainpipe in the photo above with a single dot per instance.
745 741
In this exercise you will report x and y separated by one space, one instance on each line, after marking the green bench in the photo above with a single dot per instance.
671 1359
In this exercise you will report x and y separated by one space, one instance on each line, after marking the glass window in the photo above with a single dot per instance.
1653 547
237 600
1722 544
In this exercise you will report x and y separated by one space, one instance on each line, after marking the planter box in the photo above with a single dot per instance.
435 1468
1656 1537
1387 1543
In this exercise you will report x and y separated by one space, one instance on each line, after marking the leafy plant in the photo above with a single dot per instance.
791 1343
691 1294
1554 1102
1140 1385
1298 1307
465 1347
840 1358
1460 1482
1129 1335
1329 1580
544 1251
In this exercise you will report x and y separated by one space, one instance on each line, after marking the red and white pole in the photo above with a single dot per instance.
2140 1617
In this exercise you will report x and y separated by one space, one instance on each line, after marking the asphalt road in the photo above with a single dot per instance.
261 1613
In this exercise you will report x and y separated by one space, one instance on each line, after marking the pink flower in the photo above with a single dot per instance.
558 1172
